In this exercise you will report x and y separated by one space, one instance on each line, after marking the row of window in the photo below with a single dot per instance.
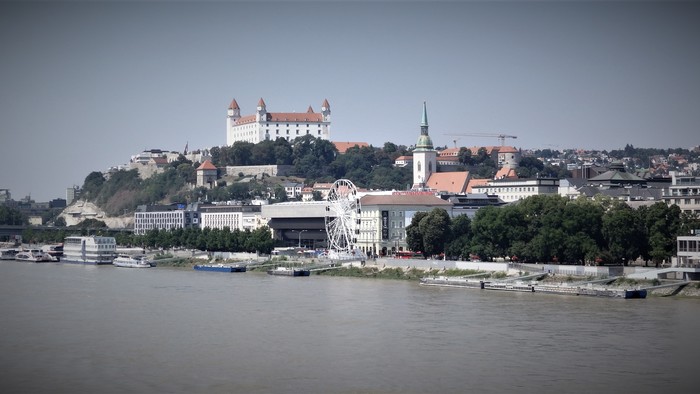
688 246
255 126
242 134
685 192
686 201
174 214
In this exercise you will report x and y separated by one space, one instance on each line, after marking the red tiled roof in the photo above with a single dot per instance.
507 149
294 117
476 182
489 149
401 199
246 119
160 161
452 182
318 185
404 158
261 103
207 165
449 152
325 104
234 105
344 146
506 172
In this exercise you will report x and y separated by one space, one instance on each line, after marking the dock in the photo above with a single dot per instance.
517 284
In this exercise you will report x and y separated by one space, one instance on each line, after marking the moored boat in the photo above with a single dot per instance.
34 255
536 287
221 267
447 281
89 250
286 271
128 261
55 251
8 254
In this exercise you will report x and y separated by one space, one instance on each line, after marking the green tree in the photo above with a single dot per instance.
11 216
458 247
280 194
283 152
662 224
414 237
623 233
465 157
92 185
436 231
529 167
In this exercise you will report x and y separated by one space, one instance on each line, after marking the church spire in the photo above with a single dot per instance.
424 141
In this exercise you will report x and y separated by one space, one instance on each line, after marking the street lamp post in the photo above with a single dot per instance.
300 237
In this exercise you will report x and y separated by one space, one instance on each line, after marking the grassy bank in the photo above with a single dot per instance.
393 272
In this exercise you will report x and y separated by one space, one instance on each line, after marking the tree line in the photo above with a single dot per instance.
555 229
214 240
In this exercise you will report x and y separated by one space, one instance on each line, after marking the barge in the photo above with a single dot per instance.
285 271
220 267
535 287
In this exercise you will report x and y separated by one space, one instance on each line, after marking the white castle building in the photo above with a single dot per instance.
265 125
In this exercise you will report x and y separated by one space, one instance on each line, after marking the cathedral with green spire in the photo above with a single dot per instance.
424 156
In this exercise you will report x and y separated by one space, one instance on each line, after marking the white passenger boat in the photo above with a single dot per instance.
33 255
8 254
128 261
92 249
55 251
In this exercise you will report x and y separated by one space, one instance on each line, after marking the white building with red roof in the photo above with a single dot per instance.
263 125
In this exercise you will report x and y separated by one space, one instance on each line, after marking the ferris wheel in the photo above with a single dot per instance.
342 217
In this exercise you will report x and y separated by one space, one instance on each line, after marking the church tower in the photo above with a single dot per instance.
424 156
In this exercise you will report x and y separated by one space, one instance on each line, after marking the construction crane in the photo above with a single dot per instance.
501 137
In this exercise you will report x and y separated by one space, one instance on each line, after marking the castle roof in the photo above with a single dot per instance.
308 116
283 117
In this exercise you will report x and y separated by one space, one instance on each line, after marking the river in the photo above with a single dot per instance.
71 328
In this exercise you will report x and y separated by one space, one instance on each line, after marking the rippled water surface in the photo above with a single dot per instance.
71 328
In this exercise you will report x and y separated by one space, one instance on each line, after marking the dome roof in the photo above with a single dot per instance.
424 142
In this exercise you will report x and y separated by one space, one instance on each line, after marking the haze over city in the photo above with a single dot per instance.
85 85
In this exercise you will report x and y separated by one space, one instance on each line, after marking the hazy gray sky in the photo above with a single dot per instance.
85 85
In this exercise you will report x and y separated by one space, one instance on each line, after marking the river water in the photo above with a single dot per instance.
71 328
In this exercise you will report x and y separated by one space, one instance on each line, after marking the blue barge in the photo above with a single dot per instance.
220 267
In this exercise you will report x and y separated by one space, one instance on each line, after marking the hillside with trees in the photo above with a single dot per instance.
313 160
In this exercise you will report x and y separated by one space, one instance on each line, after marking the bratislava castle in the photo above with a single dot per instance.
265 125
